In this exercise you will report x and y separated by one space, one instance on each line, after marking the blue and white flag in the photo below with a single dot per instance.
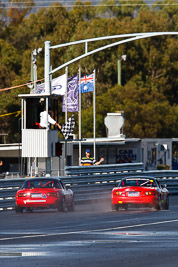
57 88
59 85
87 83
72 95
40 89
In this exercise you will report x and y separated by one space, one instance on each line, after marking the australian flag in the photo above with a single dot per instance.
87 83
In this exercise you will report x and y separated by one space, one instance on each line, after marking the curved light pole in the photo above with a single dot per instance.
130 37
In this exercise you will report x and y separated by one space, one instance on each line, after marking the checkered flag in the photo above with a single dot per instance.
68 127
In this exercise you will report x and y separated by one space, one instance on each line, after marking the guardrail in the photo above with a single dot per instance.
110 169
92 183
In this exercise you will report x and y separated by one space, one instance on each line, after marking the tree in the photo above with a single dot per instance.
10 64
2 18
148 95
120 9
19 9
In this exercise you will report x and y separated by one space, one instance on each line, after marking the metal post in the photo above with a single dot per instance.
31 174
47 110
22 115
47 68
65 154
94 115
65 145
36 166
119 71
86 47
35 76
19 132
48 165
66 95
32 73
80 134
28 166
25 114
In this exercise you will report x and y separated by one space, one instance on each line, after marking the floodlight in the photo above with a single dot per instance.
39 50
123 57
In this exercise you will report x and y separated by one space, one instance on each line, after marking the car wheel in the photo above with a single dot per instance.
115 207
29 210
166 206
158 206
62 205
72 206
18 209
125 207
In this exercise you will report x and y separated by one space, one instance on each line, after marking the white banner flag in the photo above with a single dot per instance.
57 88
59 85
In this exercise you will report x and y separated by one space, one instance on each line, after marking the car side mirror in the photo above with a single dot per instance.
163 185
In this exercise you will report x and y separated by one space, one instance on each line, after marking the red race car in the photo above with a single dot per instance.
140 191
44 193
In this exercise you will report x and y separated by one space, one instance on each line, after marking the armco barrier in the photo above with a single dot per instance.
92 183
110 169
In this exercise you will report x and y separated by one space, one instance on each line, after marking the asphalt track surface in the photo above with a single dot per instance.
93 235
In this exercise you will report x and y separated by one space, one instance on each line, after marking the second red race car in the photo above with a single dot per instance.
140 192
38 193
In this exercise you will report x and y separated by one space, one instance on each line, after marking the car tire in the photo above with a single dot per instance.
72 206
62 206
115 207
159 205
18 209
125 207
166 206
29 210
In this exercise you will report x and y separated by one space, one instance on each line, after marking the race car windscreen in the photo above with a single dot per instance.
138 182
39 183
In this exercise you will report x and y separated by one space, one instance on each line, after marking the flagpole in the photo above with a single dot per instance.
65 151
80 131
94 115
66 94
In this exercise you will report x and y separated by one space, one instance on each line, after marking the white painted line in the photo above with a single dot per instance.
21 254
88 231
136 225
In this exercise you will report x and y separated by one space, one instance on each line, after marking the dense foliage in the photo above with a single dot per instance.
149 92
